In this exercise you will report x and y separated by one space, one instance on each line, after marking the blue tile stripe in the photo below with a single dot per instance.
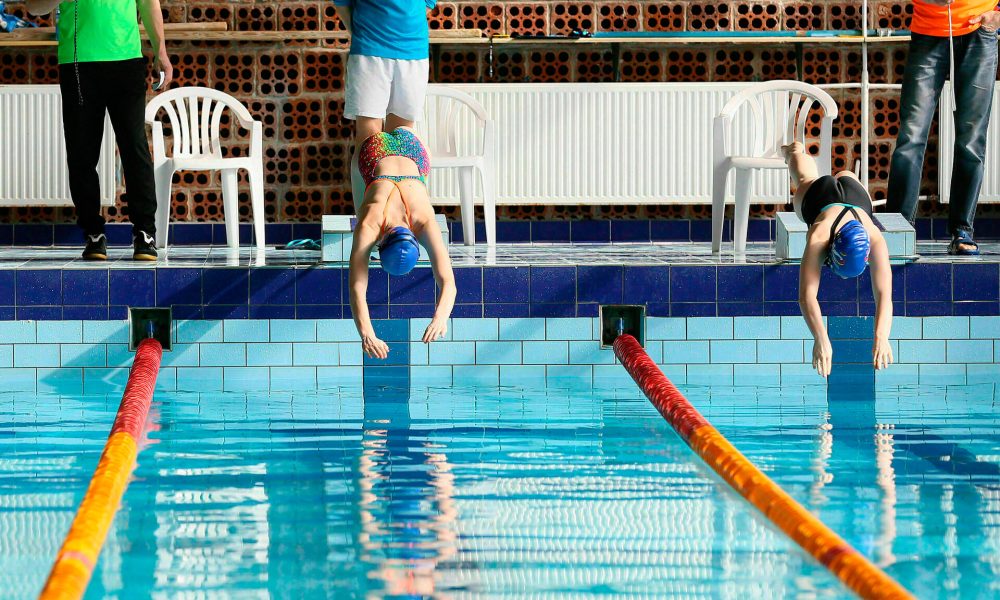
245 353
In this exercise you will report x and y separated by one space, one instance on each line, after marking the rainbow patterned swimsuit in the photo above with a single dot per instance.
401 142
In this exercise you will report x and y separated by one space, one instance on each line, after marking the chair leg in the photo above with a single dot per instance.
162 177
741 214
719 180
230 206
466 188
490 203
257 205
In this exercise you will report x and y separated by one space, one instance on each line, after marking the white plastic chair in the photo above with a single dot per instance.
195 114
769 101
442 113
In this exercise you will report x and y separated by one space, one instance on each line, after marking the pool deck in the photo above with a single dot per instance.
503 255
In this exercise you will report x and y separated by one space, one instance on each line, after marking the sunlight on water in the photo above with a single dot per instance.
485 492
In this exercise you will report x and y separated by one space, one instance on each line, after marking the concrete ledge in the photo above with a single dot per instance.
338 236
790 236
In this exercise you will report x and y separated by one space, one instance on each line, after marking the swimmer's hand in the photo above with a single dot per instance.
435 330
823 357
881 353
374 347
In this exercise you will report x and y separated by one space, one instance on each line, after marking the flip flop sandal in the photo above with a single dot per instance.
963 238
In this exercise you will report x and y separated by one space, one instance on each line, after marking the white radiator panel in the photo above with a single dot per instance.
33 153
946 148
637 143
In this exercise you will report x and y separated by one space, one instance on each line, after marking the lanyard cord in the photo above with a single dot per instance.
76 55
951 59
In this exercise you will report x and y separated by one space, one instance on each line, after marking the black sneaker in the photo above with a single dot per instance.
143 247
96 248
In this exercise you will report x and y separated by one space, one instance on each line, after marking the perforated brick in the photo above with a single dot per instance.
283 165
337 127
804 16
845 15
457 66
550 66
210 13
180 205
885 116
191 68
640 64
821 65
892 14
298 17
527 19
235 72
44 68
758 16
878 65
777 64
326 164
487 17
509 66
304 205
330 19
324 70
302 120
619 16
19 10
848 122
664 16
567 17
709 16
174 14
841 159
444 16
279 74
14 68
206 206
594 66
266 112
898 65
733 65
257 17
687 65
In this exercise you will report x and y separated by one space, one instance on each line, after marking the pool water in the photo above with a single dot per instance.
485 492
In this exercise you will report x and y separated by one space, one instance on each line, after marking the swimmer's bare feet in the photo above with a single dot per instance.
793 148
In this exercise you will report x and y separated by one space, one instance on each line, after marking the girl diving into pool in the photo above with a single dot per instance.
396 215
842 236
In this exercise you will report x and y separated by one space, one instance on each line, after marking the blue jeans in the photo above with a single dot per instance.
923 80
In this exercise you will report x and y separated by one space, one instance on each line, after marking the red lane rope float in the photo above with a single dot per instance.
76 559
846 563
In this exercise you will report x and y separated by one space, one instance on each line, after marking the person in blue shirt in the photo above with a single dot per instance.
387 69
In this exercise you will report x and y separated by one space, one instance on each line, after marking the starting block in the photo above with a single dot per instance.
790 238
338 236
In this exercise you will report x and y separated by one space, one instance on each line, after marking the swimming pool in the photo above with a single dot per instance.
480 491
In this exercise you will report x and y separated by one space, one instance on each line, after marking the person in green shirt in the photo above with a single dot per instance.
101 69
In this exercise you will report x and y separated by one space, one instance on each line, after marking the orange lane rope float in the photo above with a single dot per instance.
76 559
846 563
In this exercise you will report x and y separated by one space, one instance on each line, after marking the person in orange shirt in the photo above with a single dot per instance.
944 30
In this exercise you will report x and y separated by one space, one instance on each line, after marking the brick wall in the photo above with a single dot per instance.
296 88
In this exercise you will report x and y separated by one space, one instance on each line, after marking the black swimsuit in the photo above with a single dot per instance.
829 190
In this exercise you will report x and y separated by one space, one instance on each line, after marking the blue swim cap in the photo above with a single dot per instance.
849 250
398 251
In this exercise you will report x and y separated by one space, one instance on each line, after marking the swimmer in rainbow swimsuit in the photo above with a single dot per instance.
842 236
396 215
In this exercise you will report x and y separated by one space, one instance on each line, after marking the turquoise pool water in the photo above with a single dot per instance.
480 492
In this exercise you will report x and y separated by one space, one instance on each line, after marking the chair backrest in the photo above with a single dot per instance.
444 110
195 116
780 111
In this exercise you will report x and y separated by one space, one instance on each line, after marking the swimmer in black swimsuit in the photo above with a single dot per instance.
842 236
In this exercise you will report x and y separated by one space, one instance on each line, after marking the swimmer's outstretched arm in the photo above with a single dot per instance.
809 275
361 251
430 238
881 272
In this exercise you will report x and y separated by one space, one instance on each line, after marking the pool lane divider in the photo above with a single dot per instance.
846 563
76 559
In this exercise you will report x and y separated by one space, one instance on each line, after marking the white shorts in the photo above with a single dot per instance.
380 86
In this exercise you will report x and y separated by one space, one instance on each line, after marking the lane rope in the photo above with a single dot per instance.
832 551
75 562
